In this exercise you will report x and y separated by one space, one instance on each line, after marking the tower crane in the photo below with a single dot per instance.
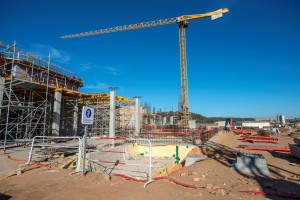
182 21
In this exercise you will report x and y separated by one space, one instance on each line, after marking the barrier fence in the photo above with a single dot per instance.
43 142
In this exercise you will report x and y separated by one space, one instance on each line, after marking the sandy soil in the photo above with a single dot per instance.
215 172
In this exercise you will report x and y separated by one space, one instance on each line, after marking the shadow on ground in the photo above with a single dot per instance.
274 183
4 196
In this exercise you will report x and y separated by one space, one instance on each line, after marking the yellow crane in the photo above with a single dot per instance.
182 21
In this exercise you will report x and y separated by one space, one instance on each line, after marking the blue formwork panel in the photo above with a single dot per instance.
254 164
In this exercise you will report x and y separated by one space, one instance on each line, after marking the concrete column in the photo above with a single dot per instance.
56 112
112 112
75 117
171 120
164 120
137 115
152 120
159 121
2 81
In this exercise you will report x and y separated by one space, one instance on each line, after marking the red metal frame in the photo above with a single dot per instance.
255 139
269 148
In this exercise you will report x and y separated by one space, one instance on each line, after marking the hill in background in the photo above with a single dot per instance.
200 119
210 120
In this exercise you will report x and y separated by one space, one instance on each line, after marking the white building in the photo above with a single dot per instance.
256 125
220 123
281 119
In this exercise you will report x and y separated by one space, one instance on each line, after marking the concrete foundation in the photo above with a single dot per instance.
133 160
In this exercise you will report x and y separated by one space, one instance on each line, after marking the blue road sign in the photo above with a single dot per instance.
87 116
88 113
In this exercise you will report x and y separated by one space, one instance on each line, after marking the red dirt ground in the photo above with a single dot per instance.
215 172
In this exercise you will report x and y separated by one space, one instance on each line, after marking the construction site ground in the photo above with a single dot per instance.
215 174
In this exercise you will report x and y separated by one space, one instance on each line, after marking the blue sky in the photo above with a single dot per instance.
246 64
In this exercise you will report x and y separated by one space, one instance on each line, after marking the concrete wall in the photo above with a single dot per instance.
161 150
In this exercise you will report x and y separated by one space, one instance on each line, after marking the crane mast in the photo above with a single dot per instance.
182 21
184 114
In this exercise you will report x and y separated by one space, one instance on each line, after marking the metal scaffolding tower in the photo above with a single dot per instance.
40 98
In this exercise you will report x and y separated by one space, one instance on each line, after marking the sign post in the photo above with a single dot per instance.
87 118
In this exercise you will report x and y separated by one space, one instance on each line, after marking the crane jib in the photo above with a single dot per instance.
124 28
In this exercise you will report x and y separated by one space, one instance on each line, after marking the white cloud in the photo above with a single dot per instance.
85 67
55 54
97 86
111 70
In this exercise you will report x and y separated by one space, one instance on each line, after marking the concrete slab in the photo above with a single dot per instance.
191 159
8 166
254 164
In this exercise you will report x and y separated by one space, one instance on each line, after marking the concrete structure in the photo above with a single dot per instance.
192 124
137 115
75 117
164 119
171 120
112 112
56 112
39 98
191 159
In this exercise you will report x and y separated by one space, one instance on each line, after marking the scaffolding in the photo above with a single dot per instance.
101 104
40 98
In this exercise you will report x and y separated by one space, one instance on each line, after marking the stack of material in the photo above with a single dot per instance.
295 148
